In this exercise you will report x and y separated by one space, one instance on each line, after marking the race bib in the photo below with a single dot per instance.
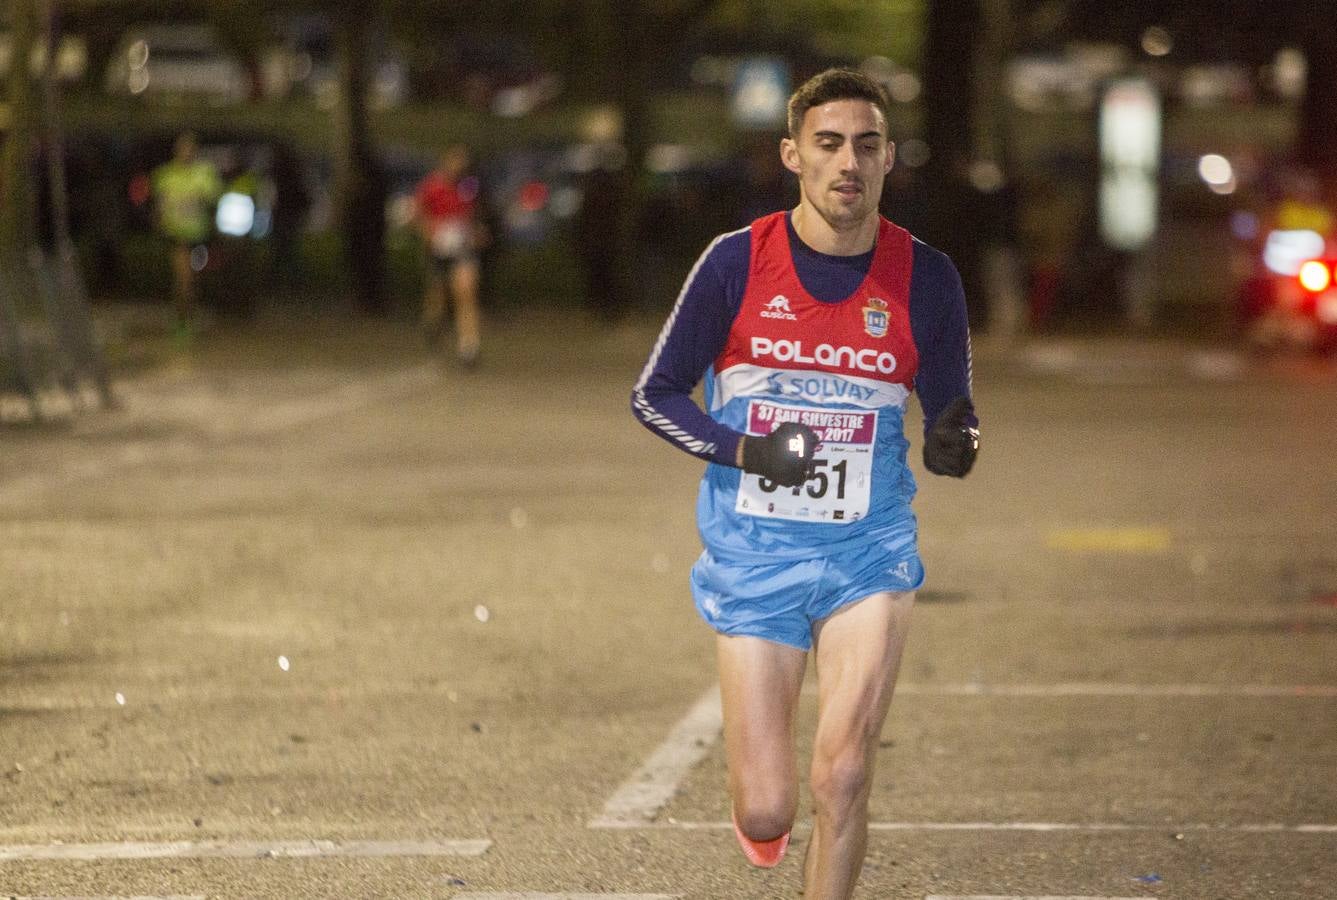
839 488
450 238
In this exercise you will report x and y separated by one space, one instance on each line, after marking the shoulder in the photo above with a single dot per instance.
728 254
731 248
932 267
719 277
936 295
933 277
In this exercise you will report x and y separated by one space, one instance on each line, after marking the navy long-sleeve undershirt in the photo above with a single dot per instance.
711 296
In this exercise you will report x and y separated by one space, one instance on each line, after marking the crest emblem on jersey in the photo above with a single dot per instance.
875 318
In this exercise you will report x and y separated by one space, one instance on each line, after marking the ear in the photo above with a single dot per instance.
891 157
789 156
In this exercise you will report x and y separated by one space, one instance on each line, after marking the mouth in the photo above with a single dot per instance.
848 189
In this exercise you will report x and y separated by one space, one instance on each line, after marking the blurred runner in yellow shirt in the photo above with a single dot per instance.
185 190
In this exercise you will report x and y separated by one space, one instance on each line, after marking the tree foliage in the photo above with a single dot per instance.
837 28
1242 30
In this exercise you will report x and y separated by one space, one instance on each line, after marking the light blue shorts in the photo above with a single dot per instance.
781 601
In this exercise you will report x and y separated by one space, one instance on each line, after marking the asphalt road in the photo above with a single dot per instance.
315 615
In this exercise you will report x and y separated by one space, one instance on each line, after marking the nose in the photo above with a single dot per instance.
849 159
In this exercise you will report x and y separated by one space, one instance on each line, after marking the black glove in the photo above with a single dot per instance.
951 444
783 456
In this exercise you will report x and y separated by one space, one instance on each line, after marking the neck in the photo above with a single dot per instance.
819 234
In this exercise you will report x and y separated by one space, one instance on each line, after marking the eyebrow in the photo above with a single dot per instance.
839 136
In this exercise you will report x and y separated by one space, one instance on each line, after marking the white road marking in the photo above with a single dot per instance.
284 414
1265 828
129 455
638 800
641 796
240 849
340 399
1018 897
1105 689
18 702
1091 365
533 896
1212 365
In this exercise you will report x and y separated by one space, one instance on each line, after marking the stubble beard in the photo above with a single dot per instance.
843 218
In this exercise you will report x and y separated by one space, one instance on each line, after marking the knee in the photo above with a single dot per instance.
764 819
839 780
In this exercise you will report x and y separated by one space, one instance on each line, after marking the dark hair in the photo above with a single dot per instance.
835 84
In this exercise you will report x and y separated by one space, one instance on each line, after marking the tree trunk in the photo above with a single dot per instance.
17 205
1000 261
1316 138
69 307
359 184
951 39
633 94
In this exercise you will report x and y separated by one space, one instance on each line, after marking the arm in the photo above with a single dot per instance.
693 336
211 183
941 334
421 219
942 337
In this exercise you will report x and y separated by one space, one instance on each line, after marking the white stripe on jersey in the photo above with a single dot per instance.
821 388
647 412
665 426
682 294
970 366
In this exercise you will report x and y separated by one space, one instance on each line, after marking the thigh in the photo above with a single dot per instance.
464 279
438 271
858 653
760 682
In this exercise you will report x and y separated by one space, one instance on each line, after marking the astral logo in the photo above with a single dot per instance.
777 308
825 355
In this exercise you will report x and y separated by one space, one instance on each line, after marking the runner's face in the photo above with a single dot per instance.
841 157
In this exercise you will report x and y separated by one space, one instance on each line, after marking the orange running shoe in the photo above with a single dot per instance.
762 854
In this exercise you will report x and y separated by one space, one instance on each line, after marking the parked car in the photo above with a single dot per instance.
1286 254
176 61
483 69
1290 298
304 65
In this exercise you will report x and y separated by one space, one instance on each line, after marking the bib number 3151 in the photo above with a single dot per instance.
838 489
818 483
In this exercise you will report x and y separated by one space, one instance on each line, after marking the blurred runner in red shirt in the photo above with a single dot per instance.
447 218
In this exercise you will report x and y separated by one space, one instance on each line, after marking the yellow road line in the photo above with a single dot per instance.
1109 540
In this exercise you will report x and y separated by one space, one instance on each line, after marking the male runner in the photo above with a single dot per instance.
811 327
447 216
185 189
